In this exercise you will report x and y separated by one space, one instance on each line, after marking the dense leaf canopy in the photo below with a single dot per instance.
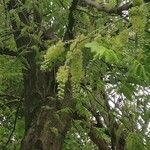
85 63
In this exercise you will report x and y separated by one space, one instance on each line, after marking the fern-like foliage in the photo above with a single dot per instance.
54 53
76 66
62 78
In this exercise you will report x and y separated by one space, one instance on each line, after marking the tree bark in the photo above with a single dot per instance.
45 128
47 132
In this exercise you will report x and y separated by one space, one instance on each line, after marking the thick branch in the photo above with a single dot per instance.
100 142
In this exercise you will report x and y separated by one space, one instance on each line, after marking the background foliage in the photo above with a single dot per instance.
107 63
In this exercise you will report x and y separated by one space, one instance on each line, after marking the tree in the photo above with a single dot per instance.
74 74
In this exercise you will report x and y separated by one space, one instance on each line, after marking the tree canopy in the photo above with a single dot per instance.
75 75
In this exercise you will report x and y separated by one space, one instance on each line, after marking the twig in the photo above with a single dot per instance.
94 33
7 96
87 12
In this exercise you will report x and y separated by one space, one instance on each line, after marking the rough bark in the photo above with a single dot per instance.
40 137
45 128
100 142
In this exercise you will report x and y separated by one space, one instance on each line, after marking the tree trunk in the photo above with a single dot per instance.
45 128
46 132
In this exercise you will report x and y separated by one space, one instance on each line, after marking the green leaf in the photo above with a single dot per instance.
96 48
135 142
111 56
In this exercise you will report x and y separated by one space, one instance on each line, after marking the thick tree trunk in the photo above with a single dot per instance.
46 132
45 127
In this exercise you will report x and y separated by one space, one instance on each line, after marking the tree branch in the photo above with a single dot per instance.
6 51
69 31
87 12
6 96
100 142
